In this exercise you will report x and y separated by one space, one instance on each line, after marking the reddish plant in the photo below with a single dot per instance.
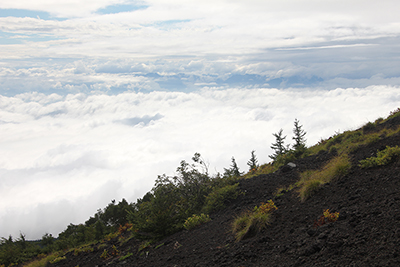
327 217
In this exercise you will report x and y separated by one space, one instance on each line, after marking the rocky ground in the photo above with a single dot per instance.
366 234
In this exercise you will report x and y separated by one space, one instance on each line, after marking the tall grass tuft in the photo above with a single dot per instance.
311 181
251 222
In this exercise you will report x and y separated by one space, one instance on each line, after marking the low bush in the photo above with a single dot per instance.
215 200
196 220
251 222
383 157
370 126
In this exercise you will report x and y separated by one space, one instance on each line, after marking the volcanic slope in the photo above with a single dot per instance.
367 232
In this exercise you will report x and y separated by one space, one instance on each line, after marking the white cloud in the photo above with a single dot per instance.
61 151
288 43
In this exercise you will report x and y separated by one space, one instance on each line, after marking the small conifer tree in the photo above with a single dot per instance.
279 145
299 138
253 162
233 170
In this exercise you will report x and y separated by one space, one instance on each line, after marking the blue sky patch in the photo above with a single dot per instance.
168 24
24 13
114 9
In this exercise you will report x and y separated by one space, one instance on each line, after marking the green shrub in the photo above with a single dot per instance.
383 157
215 200
287 157
251 222
394 113
337 139
196 220
368 127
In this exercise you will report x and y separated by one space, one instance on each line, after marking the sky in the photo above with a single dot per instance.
99 97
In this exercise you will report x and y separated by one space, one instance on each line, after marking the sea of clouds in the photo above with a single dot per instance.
65 156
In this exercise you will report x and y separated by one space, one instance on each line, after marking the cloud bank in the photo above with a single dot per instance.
65 156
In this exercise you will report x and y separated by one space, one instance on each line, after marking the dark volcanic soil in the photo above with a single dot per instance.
366 234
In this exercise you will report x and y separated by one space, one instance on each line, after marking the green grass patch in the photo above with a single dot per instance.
349 141
126 256
44 261
158 246
384 157
282 190
144 245
311 181
263 169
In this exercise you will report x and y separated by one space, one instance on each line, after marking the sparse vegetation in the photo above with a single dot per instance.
196 220
350 141
126 256
58 259
263 169
104 255
144 245
282 190
311 181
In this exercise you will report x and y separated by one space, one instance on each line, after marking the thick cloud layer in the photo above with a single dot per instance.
64 157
